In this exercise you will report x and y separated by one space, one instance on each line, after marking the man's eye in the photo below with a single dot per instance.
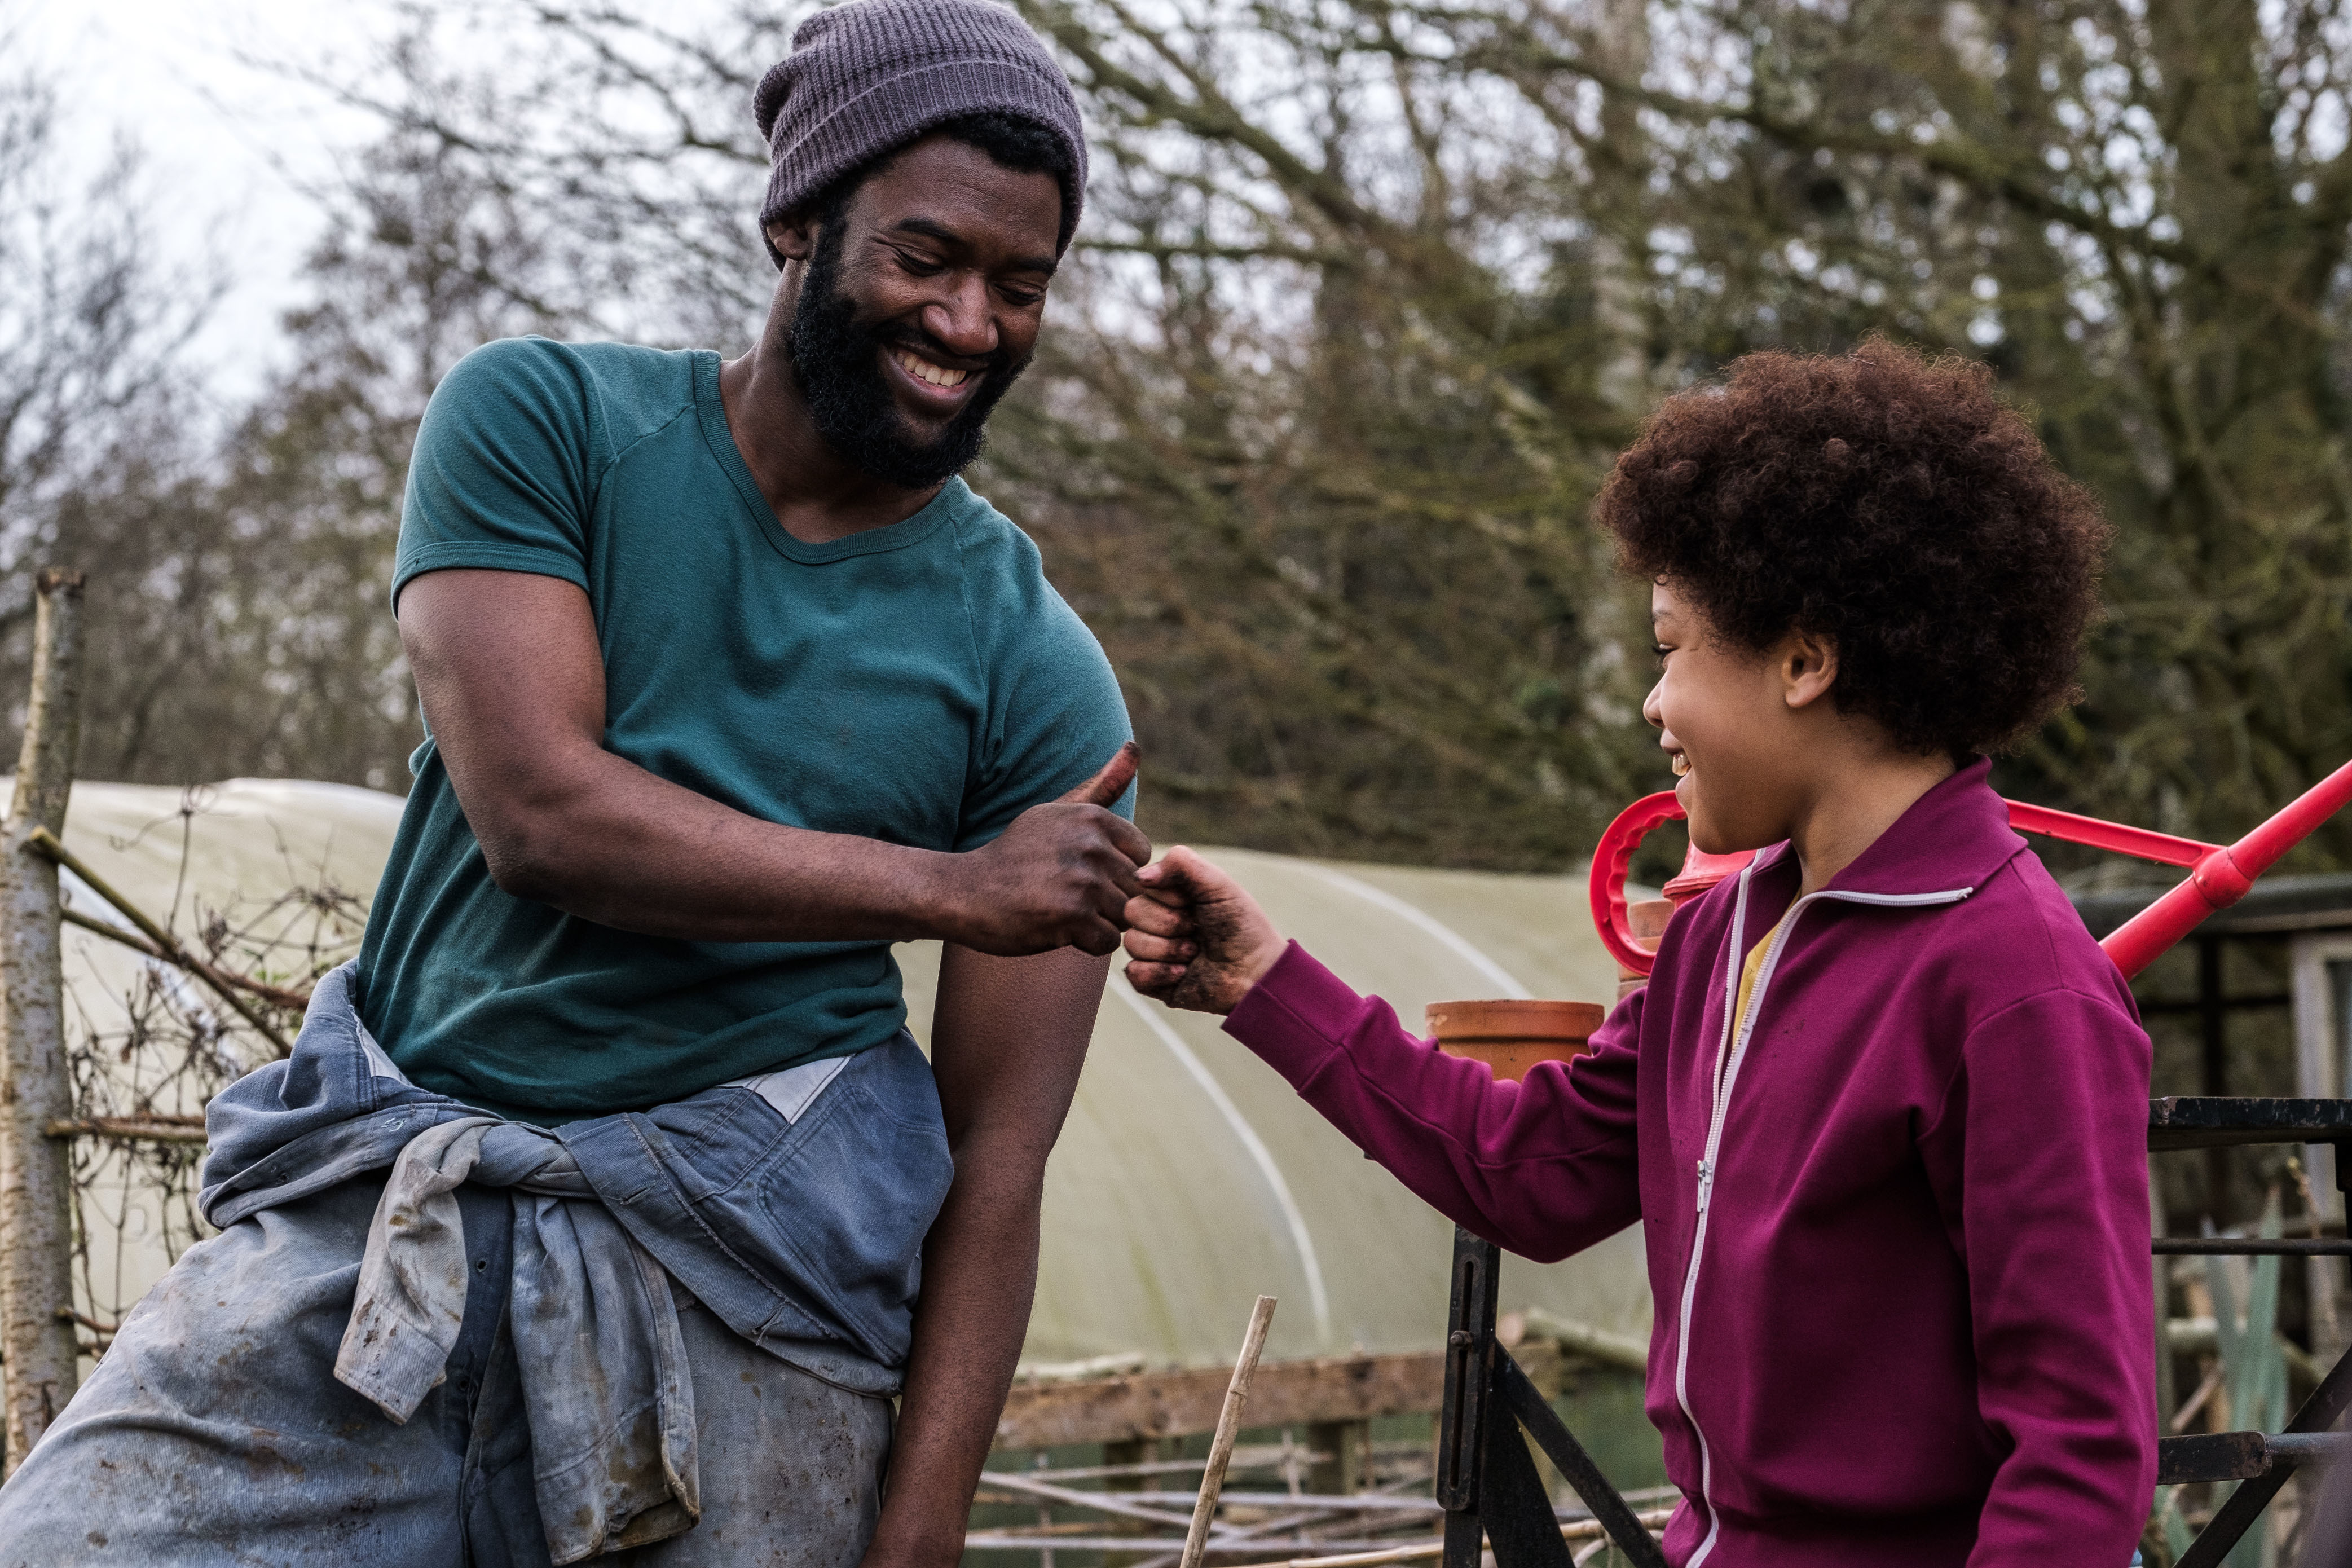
1022 299
920 267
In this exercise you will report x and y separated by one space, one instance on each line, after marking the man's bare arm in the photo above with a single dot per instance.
512 683
1008 1038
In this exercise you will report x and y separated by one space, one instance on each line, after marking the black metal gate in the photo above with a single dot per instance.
1487 1481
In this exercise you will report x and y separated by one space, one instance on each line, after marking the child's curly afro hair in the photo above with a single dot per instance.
1889 502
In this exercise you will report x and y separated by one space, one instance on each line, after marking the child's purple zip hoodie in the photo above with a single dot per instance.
1897 1235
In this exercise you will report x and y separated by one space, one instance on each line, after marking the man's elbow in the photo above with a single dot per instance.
529 859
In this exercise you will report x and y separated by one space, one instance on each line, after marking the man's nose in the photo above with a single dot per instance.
962 320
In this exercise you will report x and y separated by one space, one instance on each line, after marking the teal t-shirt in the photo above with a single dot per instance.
920 683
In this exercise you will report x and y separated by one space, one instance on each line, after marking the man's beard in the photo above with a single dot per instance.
839 362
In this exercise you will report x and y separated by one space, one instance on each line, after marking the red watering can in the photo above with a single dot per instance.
2218 875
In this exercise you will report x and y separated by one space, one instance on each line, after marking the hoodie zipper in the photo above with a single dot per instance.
1731 1051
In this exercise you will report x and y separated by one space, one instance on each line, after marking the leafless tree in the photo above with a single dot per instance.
1369 295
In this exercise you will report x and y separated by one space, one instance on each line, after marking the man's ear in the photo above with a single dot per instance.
1808 668
794 236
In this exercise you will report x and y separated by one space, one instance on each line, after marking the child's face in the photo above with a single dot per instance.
1725 718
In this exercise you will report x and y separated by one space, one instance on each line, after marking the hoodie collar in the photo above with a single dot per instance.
1954 836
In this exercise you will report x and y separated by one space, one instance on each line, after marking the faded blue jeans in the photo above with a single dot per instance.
703 1309
214 1432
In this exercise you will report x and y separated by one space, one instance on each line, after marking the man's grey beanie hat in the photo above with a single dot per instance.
867 78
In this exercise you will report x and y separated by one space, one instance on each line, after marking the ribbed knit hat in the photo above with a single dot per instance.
867 78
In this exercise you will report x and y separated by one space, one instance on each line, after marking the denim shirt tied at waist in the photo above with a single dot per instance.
794 1205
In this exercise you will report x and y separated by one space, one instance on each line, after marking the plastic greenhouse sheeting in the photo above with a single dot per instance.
239 848
1189 1177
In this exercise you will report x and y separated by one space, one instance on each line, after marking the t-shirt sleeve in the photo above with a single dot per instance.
499 478
1057 718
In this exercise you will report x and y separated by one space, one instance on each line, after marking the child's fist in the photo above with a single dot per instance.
1194 940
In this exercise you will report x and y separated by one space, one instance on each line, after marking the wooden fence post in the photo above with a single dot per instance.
39 1349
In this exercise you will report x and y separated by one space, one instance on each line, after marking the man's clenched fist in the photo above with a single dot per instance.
1060 876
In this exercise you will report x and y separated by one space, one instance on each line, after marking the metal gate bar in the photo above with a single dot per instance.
2259 1462
1487 1480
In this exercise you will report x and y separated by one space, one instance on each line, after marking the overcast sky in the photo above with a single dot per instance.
226 143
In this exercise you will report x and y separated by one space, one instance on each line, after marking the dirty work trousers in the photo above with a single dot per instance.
214 1432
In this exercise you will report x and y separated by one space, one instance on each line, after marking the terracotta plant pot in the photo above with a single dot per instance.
1647 920
1512 1037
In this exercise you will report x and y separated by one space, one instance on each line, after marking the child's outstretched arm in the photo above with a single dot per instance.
1543 1167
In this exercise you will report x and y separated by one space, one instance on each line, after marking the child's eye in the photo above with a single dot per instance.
1661 649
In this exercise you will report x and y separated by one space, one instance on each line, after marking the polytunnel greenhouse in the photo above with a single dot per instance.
1189 1178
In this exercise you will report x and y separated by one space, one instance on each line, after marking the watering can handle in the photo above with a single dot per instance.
2218 875
1612 860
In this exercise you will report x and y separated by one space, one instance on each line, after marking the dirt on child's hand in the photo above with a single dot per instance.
1194 938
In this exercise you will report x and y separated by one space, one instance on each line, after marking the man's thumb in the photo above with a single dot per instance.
1111 783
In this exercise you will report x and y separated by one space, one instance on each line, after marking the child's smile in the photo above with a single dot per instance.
1707 700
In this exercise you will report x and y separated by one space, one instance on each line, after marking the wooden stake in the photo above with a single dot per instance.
37 1346
1229 1425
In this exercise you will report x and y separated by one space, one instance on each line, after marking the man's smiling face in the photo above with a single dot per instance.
919 305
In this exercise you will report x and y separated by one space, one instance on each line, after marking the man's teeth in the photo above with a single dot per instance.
1682 765
924 369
